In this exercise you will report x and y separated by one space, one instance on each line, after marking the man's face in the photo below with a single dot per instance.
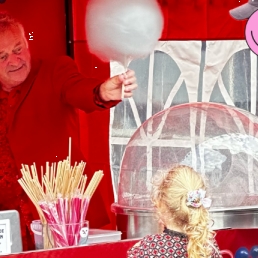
14 59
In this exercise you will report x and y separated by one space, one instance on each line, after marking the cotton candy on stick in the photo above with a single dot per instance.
123 30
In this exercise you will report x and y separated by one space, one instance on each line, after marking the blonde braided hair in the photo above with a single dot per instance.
169 191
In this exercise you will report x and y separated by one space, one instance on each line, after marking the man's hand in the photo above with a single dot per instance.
111 89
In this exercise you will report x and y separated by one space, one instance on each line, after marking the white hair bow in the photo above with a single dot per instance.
197 198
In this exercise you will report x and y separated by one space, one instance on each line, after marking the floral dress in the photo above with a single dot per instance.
168 244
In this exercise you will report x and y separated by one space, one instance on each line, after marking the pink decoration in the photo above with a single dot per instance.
65 219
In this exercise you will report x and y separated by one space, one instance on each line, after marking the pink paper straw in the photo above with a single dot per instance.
65 218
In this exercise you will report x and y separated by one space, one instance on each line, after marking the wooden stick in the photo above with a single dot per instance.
94 183
83 184
70 149
41 169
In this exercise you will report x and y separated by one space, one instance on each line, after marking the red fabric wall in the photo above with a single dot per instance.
46 19
94 127
201 20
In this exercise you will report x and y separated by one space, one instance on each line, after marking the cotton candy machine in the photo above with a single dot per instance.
217 140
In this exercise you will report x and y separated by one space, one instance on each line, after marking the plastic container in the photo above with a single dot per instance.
36 228
101 235
51 242
95 235
217 140
66 234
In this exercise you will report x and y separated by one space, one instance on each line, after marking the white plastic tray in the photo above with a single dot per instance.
101 235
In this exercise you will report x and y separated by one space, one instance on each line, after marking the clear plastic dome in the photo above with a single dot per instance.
217 140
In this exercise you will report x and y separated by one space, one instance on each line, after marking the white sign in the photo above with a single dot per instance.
84 232
5 239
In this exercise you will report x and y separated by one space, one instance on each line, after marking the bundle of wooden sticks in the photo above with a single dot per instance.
60 196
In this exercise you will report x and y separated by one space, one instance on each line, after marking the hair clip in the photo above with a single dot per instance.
197 198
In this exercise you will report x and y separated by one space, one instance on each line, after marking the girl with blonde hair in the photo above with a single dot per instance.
179 196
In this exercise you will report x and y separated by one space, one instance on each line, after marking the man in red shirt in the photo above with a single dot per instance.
38 113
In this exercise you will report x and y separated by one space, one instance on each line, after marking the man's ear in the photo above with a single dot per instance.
23 34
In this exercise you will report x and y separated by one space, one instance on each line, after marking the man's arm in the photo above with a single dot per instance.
86 93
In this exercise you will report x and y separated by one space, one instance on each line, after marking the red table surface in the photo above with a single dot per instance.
230 239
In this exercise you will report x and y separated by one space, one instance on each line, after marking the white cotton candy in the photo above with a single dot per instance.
120 30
